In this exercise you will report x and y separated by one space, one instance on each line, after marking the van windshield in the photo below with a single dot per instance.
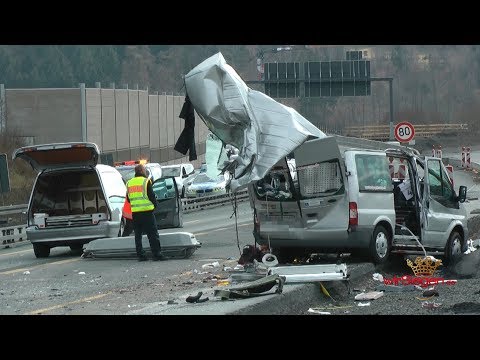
171 171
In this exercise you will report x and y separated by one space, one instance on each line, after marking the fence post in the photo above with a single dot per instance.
83 111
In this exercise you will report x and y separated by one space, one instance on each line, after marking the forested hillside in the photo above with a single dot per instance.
432 84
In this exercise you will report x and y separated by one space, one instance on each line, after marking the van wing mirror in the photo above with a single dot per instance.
462 193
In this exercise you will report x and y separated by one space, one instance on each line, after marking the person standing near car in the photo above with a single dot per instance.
142 201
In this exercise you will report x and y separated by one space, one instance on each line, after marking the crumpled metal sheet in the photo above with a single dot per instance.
262 129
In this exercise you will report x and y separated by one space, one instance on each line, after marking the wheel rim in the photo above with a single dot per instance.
381 245
456 247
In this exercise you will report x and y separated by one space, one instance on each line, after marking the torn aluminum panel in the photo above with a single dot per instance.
251 289
177 245
311 273
262 129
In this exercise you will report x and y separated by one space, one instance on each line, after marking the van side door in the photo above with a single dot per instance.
440 205
322 188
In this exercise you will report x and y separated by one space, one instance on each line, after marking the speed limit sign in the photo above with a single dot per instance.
404 132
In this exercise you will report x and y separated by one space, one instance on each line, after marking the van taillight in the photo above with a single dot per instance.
353 214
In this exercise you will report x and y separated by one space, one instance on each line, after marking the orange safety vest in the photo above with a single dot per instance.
127 210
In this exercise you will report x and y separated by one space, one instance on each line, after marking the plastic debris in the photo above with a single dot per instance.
364 304
81 273
430 305
196 298
211 265
238 267
223 282
470 247
430 293
227 268
378 277
372 295
26 272
319 312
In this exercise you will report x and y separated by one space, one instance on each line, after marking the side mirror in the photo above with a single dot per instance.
462 193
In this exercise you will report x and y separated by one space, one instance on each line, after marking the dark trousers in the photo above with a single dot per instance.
128 229
144 222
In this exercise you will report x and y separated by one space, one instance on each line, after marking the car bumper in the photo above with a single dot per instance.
75 234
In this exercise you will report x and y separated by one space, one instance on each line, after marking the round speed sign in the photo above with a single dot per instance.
404 132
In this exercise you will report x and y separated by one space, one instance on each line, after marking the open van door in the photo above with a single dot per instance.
440 204
169 211
323 194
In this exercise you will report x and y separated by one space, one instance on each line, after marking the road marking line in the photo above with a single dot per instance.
38 266
208 232
66 304
193 221
16 252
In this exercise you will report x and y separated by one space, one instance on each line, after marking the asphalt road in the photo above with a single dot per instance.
65 283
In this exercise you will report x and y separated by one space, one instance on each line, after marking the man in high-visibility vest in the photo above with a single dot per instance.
142 201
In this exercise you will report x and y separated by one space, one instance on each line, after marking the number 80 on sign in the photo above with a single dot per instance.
404 132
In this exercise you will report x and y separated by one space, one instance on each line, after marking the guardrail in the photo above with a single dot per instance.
382 132
190 205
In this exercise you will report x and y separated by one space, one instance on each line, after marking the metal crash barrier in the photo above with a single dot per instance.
190 205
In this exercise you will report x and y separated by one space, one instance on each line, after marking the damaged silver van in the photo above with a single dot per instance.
74 200
370 201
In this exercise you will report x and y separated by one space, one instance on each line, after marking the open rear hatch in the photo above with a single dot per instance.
59 155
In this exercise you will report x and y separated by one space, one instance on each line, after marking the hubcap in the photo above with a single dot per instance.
456 247
381 245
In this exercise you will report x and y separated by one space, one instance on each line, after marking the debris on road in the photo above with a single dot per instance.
363 304
378 277
319 312
430 305
372 295
253 288
211 265
196 298
81 273
311 273
430 292
26 272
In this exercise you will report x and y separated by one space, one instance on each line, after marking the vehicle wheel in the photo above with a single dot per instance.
453 250
76 248
380 245
41 250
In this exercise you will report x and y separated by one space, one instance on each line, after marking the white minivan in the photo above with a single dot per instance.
358 202
74 200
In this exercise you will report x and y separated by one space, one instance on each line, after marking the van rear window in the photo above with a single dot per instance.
373 173
320 179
